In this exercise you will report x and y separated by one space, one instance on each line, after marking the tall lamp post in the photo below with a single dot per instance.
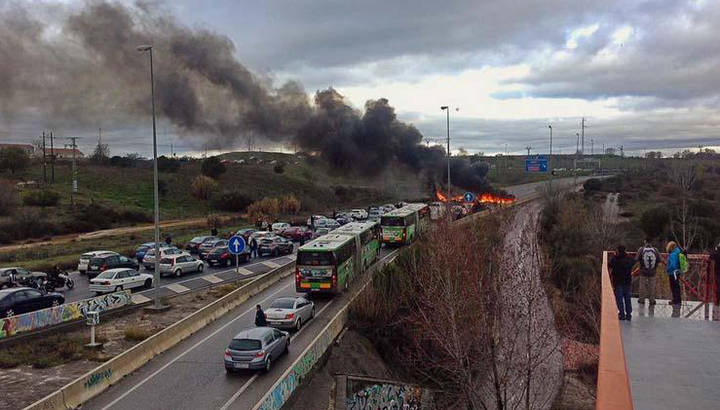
550 158
156 273
447 111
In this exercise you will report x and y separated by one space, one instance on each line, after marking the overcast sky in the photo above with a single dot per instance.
644 74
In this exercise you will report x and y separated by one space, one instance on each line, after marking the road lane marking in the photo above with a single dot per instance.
270 264
212 278
245 272
176 287
239 392
193 347
138 299
249 382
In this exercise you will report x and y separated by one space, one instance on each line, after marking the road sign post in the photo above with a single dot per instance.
236 246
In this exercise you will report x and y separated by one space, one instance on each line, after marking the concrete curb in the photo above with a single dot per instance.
97 380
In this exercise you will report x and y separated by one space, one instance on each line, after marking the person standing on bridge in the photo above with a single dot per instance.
648 257
715 257
673 271
621 276
260 318
253 248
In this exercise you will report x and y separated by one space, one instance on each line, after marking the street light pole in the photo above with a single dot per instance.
550 158
447 111
156 211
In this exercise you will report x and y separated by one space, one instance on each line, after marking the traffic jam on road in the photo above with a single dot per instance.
331 250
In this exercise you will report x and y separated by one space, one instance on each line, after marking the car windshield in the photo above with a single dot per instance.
245 344
266 241
284 303
197 239
106 275
86 256
392 221
143 248
315 258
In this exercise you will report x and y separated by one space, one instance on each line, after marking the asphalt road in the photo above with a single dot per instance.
191 281
191 375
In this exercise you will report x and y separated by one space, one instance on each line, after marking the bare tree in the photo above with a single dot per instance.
683 224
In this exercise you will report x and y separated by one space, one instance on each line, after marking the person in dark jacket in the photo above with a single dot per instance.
214 231
715 257
260 319
253 248
621 276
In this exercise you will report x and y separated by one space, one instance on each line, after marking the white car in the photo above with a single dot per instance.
114 280
179 264
279 226
85 259
315 218
261 235
149 258
359 214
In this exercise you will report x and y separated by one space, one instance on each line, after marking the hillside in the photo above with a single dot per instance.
120 195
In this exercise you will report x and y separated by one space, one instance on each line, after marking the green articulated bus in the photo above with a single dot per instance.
402 226
327 264
368 234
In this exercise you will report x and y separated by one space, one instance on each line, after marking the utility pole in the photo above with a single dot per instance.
592 146
73 191
44 160
528 148
447 111
550 158
582 129
577 143
52 159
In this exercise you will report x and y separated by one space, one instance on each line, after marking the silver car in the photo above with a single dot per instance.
165 252
290 313
179 264
255 349
20 274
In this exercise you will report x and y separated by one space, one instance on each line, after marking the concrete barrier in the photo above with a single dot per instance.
68 312
97 380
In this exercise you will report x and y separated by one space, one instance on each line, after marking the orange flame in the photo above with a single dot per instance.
486 198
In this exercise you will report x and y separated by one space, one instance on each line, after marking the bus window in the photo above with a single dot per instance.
315 258
392 221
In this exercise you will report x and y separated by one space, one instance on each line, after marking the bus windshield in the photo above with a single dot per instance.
315 258
392 221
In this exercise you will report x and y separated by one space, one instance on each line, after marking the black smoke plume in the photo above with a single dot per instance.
81 66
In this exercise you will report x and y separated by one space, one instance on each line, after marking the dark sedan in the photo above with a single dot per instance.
194 245
220 256
275 246
208 246
17 301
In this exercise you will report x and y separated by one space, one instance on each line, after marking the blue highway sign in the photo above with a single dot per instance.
537 164
236 245
469 197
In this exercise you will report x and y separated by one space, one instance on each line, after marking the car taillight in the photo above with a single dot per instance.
260 353
290 316
102 268
106 282
404 234
297 276
172 262
227 355
334 278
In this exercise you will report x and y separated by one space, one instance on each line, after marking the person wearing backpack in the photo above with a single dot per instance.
715 257
647 257
672 268
621 277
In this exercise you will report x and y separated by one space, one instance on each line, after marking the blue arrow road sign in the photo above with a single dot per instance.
469 197
236 245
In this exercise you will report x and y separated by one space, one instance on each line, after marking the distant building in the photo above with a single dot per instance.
610 152
29 149
65 153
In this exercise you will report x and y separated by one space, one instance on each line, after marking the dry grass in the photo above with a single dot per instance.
223 290
46 352
137 333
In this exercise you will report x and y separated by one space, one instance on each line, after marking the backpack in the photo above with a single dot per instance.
648 259
683 262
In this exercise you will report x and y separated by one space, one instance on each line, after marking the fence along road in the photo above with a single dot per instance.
191 375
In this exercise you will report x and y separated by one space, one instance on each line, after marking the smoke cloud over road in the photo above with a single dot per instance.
81 66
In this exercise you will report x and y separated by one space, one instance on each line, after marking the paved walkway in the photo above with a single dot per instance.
673 361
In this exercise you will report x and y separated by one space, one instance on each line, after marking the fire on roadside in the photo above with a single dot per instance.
485 198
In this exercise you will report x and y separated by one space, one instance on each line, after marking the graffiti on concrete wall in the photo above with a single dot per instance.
64 313
281 392
384 396
98 377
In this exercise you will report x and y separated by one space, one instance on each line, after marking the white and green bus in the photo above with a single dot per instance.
327 264
402 226
368 234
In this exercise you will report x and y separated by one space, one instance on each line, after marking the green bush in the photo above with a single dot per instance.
279 168
41 197
230 201
655 221
166 164
8 198
592 184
